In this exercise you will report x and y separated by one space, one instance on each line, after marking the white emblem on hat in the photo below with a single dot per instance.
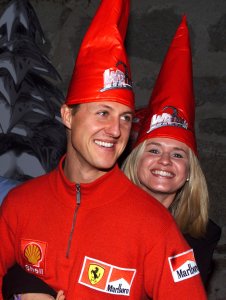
115 79
166 119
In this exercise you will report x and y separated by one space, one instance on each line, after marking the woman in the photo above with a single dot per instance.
168 170
164 159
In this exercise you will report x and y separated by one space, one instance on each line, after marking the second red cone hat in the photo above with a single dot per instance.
102 71
171 110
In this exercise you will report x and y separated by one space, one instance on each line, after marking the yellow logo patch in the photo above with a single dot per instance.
33 254
95 273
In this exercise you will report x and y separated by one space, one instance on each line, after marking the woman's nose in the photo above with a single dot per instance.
165 158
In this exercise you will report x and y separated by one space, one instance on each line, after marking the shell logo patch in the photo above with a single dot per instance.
106 278
33 255
183 266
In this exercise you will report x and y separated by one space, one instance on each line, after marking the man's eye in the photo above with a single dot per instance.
103 113
127 118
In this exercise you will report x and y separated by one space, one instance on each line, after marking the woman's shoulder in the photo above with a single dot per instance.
211 237
213 231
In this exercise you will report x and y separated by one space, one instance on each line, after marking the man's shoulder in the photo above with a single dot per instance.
33 186
6 184
135 191
141 200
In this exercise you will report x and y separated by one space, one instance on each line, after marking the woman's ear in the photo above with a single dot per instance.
66 115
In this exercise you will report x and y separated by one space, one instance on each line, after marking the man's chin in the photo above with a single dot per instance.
106 167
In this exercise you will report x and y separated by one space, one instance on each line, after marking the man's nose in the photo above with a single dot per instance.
113 129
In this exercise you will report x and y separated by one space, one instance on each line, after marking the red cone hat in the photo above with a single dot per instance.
171 110
138 119
102 71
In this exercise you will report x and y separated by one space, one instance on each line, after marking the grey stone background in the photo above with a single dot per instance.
151 28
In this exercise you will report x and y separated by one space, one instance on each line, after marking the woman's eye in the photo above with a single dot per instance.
154 151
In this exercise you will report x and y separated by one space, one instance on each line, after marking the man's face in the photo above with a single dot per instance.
99 132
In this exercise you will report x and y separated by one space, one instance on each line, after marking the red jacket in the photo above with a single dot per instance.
117 242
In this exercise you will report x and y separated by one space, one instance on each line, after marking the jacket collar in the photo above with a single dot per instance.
103 190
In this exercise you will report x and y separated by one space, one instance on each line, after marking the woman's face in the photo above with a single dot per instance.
163 167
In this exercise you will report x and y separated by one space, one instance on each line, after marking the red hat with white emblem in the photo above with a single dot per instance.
171 110
102 71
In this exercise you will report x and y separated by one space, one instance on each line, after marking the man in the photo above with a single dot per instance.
85 228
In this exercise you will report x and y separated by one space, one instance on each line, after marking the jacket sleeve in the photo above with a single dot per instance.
7 237
171 271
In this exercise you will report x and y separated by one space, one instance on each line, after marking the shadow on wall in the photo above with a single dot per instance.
32 138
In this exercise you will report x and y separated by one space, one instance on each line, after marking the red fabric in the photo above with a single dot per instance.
117 224
102 49
173 94
139 117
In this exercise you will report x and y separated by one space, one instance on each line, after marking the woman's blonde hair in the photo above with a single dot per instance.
190 206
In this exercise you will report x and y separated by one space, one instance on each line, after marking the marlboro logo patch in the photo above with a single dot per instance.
106 278
183 266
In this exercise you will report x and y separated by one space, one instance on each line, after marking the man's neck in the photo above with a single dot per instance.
78 173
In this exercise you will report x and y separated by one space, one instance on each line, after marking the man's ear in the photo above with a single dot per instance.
66 115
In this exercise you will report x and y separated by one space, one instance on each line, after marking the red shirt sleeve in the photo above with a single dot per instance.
171 268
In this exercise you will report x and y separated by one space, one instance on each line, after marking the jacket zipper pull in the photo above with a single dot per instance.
78 194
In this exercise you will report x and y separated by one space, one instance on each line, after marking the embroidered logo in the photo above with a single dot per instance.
95 273
106 278
183 266
116 79
168 119
33 254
